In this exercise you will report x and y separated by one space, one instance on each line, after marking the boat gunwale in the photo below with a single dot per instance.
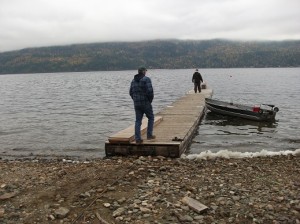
239 110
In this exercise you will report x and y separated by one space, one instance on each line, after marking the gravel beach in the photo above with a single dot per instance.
151 190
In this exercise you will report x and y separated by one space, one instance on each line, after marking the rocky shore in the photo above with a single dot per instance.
151 190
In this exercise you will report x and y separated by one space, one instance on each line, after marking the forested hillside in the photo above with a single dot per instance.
168 54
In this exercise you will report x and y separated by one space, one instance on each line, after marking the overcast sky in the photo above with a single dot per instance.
34 23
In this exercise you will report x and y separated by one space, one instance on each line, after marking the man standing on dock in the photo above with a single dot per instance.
197 79
141 92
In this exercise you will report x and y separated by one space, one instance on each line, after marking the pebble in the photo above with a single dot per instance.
61 212
106 205
118 212
2 212
234 190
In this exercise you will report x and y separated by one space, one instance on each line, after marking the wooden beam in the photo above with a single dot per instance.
127 135
194 204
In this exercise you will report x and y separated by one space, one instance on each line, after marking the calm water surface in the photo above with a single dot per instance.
72 114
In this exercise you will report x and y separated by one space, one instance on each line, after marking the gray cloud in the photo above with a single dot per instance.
32 23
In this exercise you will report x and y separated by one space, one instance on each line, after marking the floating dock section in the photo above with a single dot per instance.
174 128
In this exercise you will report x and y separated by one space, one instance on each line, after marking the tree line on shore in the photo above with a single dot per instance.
156 54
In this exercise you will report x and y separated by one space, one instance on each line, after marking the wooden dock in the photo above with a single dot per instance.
174 129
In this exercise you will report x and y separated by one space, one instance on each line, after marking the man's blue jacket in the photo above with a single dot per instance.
141 90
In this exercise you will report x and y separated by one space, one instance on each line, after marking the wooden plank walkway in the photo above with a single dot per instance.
174 129
127 135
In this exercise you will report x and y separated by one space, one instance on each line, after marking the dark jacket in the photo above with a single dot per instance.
197 77
141 90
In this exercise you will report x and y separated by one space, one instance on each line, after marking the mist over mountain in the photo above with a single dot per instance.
156 54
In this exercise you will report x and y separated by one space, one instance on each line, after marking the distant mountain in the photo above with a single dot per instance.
159 54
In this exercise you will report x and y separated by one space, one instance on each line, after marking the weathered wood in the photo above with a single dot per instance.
127 135
146 149
194 204
173 133
8 195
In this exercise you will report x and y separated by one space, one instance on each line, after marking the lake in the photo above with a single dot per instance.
72 114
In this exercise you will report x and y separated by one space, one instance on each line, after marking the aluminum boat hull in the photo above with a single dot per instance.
242 111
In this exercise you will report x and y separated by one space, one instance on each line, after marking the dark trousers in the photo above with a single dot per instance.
197 86
139 113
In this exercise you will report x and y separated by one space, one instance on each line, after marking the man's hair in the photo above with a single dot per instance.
142 69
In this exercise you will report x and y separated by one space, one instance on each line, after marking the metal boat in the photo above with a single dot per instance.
262 112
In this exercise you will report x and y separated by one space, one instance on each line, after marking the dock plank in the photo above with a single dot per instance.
127 135
178 121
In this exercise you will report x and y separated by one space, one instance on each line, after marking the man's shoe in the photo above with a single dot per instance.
138 142
151 137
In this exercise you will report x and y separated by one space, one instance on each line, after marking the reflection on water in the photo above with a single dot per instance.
218 132
222 120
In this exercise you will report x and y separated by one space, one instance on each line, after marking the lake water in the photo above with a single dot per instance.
72 114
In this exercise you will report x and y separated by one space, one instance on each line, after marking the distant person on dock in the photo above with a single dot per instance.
197 79
141 92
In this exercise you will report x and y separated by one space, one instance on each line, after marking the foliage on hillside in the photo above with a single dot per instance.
168 54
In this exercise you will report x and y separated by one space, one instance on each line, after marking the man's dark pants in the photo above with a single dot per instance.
197 86
139 113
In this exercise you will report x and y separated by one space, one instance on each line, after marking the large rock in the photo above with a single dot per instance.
61 212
